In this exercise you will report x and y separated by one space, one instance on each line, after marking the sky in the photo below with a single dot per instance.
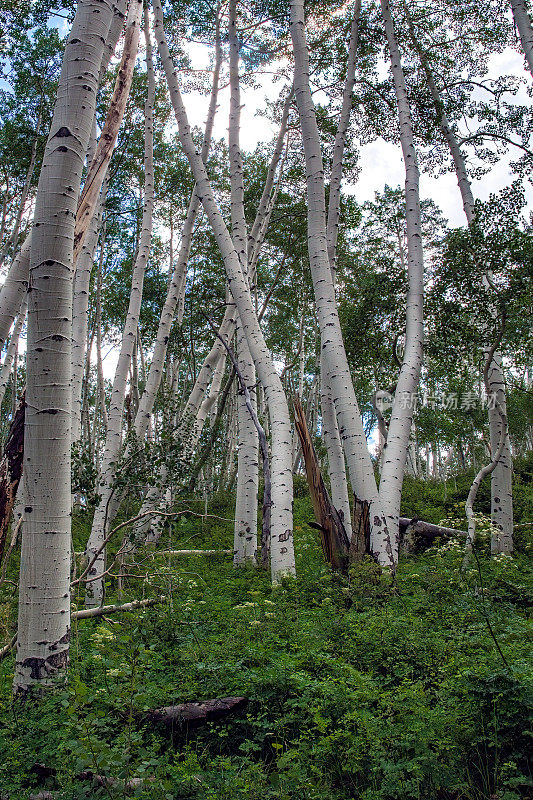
381 162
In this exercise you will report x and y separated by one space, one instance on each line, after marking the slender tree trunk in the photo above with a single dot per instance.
108 137
100 406
80 309
332 345
334 201
331 434
13 238
12 350
44 587
396 448
336 462
282 551
501 475
245 531
13 290
95 589
177 281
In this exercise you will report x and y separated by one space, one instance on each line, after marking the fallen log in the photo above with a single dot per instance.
195 714
87 613
179 553
128 786
427 529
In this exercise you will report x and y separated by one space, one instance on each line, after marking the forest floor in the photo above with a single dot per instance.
356 689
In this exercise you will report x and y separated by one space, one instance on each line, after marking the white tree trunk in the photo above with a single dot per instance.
16 284
14 288
501 476
396 448
12 350
176 286
523 23
245 529
331 434
334 202
336 462
44 587
332 345
282 550
80 308
95 589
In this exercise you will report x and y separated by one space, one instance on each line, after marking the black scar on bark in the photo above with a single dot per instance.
62 132
377 522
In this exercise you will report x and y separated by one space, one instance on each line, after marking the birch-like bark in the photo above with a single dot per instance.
15 286
12 350
282 558
80 309
44 587
108 136
100 384
501 475
525 31
13 238
95 589
334 201
397 445
245 529
332 345
331 434
501 501
177 281
336 462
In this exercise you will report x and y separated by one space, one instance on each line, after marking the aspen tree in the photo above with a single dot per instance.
501 474
525 30
95 588
282 552
245 533
44 587
397 444
332 346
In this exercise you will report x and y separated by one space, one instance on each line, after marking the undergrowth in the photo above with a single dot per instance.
356 688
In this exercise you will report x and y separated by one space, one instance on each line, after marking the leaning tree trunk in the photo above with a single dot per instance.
106 142
44 588
14 289
95 588
282 550
332 345
330 427
397 445
245 530
501 475
525 30
177 281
